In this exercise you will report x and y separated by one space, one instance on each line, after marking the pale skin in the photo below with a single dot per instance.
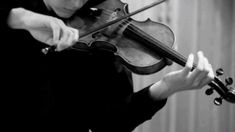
53 31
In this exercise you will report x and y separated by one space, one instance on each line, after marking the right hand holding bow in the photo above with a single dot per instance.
46 29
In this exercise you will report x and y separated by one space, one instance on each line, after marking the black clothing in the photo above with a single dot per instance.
68 89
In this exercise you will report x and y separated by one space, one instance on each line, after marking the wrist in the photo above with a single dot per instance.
160 90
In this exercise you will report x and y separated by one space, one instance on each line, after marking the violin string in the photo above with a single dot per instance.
107 11
162 46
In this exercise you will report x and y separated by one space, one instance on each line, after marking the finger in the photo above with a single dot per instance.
63 41
76 34
56 32
189 64
202 77
210 75
71 39
200 66
207 66
211 72
67 38
209 78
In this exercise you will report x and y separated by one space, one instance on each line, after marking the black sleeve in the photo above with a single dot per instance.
141 107
125 117
136 108
4 12
5 8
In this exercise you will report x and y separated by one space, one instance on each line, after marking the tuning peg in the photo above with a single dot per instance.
229 81
218 101
231 95
219 72
232 90
209 91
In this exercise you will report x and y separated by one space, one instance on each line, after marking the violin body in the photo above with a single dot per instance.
119 38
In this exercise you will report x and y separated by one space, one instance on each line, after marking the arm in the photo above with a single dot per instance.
46 29
5 9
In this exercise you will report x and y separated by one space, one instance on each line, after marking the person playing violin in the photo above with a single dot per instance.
75 90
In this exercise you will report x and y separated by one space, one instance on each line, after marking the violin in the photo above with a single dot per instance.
144 47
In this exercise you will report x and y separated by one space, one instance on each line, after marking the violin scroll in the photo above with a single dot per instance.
226 93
